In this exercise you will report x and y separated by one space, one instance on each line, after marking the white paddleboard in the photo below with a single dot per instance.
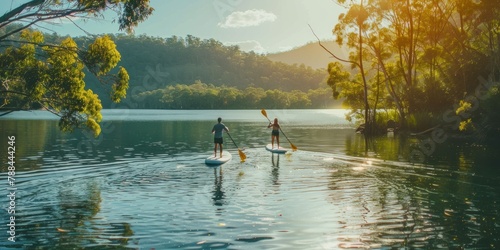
212 160
275 149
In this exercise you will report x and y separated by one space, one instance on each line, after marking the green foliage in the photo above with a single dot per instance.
154 63
336 76
133 12
466 125
36 73
424 55
384 117
481 115
120 86
423 120
207 96
129 12
489 121
102 56
51 76
463 107
161 62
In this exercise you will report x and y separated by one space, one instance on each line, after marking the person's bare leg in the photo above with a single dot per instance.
220 146
272 141
215 149
278 141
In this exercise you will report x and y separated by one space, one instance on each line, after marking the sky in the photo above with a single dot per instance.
264 26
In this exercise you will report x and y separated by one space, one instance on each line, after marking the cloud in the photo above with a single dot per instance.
284 48
249 45
239 19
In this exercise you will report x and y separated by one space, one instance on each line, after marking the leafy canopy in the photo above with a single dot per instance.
34 74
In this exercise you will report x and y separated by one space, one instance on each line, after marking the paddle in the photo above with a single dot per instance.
242 155
263 111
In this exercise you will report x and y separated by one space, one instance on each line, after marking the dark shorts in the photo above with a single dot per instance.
218 140
275 132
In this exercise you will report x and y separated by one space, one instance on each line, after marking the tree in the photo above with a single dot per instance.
425 57
299 99
34 74
252 96
275 98
354 26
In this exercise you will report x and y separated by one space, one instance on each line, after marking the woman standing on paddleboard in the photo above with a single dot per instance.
275 133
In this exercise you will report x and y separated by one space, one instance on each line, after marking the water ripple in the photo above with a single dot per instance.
306 200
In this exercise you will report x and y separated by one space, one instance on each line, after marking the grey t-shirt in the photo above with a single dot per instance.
218 128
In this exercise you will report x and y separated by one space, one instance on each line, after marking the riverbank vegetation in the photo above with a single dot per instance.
430 61
207 96
165 64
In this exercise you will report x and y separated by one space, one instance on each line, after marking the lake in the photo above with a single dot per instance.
143 184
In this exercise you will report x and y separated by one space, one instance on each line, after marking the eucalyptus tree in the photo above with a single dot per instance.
392 36
353 25
403 40
35 74
252 97
439 49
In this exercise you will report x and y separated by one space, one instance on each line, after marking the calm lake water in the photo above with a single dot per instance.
143 184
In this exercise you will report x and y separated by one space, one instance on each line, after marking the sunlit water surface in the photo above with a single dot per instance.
143 184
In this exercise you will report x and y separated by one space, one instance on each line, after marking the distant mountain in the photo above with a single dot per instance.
154 63
311 54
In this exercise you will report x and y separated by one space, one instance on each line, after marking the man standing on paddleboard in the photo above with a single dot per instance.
217 131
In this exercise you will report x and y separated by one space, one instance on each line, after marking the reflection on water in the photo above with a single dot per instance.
143 184
275 159
218 195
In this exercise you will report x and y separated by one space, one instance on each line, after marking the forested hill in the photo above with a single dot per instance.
312 54
158 64
155 63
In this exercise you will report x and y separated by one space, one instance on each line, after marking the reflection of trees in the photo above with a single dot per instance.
400 147
383 210
355 145
459 212
413 206
71 223
387 148
31 138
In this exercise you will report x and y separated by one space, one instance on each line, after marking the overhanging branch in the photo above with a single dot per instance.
331 53
7 16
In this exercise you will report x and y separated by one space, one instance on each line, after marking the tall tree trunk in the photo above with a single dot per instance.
390 88
368 119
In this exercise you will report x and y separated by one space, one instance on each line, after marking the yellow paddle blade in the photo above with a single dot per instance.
242 155
294 148
263 111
